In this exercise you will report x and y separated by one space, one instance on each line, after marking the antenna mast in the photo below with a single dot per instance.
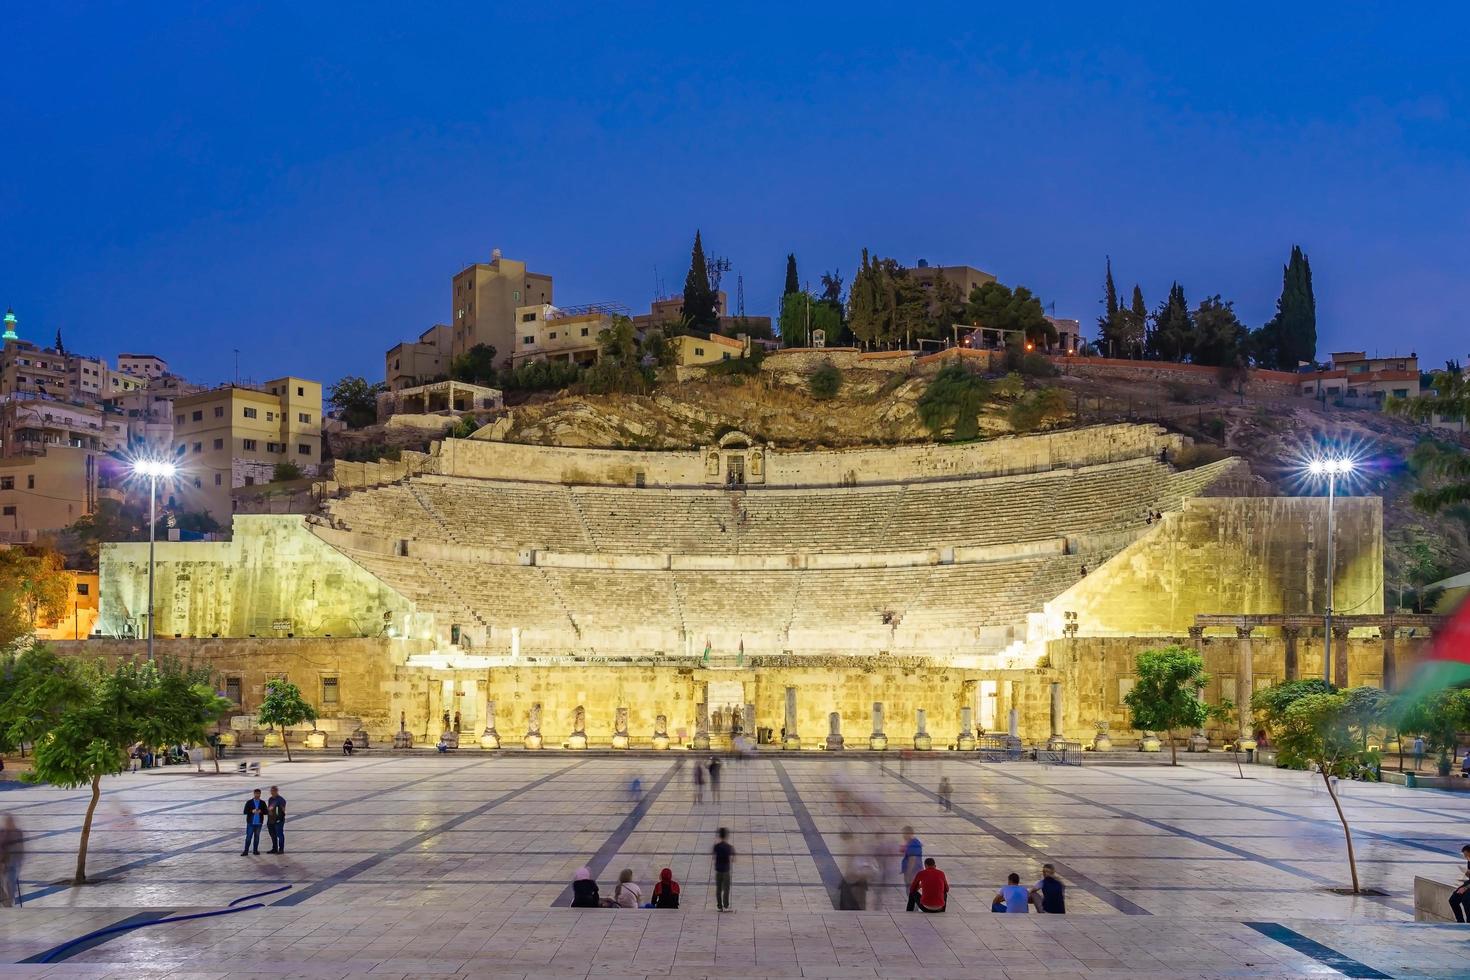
740 295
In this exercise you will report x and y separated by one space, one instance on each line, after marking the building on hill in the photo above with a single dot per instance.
1354 380
81 619
486 296
44 493
567 335
418 362
963 276
439 398
696 348
236 436
520 586
670 310
149 367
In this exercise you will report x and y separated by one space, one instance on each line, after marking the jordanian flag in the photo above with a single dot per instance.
706 649
1448 663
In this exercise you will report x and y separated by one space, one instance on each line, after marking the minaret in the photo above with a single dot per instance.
10 333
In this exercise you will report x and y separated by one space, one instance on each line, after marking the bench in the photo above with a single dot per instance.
1432 900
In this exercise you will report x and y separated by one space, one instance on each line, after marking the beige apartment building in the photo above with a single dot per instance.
570 334
670 309
415 363
32 426
486 296
963 276
707 348
45 493
234 436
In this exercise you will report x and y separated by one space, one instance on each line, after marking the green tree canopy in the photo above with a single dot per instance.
475 366
1290 337
1165 694
953 401
701 305
82 717
355 401
793 285
1107 324
998 307
1172 338
283 706
35 590
1442 468
1220 338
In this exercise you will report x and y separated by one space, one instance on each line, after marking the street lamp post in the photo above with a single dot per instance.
1331 467
153 469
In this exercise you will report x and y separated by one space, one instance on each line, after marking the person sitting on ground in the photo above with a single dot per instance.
930 888
666 892
1049 894
1013 895
584 890
442 745
347 746
627 895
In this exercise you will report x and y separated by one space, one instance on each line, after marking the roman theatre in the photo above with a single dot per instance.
609 598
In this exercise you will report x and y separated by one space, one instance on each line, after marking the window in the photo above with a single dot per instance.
303 449
250 413
300 392
7 483
516 295
178 419
528 339
250 481
8 511
699 352
584 331
303 417
219 444
219 411
84 588
249 445
329 689
199 416
273 447
199 447
528 318
30 481
270 416
725 356
217 480
551 336
232 690
395 365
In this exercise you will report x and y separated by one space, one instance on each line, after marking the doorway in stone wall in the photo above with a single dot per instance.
726 700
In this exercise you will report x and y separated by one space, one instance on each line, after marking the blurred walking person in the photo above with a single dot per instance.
12 849
945 790
714 778
724 856
698 783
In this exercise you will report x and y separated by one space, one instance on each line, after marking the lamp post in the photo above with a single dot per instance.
1330 467
152 469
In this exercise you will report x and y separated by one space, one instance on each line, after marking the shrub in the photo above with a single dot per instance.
825 382
539 376
745 364
1038 407
285 471
953 400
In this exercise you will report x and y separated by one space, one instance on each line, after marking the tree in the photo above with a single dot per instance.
1443 469
832 287
793 285
1317 728
998 307
862 303
1439 718
1219 336
1107 324
355 401
1137 323
35 589
1269 706
947 305
825 381
701 309
285 471
283 705
83 716
1172 338
1290 337
475 366
953 401
1165 695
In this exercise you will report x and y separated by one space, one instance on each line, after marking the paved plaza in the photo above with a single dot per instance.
460 865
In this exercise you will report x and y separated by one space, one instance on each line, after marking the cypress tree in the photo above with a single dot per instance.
1137 323
1296 313
1173 334
1107 323
793 285
700 309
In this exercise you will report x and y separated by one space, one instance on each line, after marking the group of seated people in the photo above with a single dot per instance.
627 894
929 892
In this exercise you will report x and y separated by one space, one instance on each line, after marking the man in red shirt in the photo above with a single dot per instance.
930 888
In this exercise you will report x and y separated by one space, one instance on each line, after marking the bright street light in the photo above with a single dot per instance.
152 469
1331 467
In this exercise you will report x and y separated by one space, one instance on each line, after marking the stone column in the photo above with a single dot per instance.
1340 655
965 741
620 728
1056 740
1289 636
791 741
660 733
533 727
748 725
1244 686
489 738
701 726
1390 664
834 732
877 741
1199 741
922 741
578 739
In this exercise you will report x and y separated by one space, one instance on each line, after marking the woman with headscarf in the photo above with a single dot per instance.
584 890
627 895
666 892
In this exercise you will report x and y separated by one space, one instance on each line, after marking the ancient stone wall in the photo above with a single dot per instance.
1258 382
1231 555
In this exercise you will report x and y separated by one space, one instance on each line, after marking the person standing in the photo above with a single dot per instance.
1418 751
912 861
930 890
255 809
714 778
945 789
698 782
1014 895
1049 894
724 856
275 820
12 849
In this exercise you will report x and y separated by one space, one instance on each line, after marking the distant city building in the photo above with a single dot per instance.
31 426
963 276
1354 379
697 348
1069 334
80 618
147 366
439 398
418 362
670 309
235 436
570 335
46 492
486 297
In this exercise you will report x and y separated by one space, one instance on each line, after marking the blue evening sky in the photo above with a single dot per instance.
300 180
